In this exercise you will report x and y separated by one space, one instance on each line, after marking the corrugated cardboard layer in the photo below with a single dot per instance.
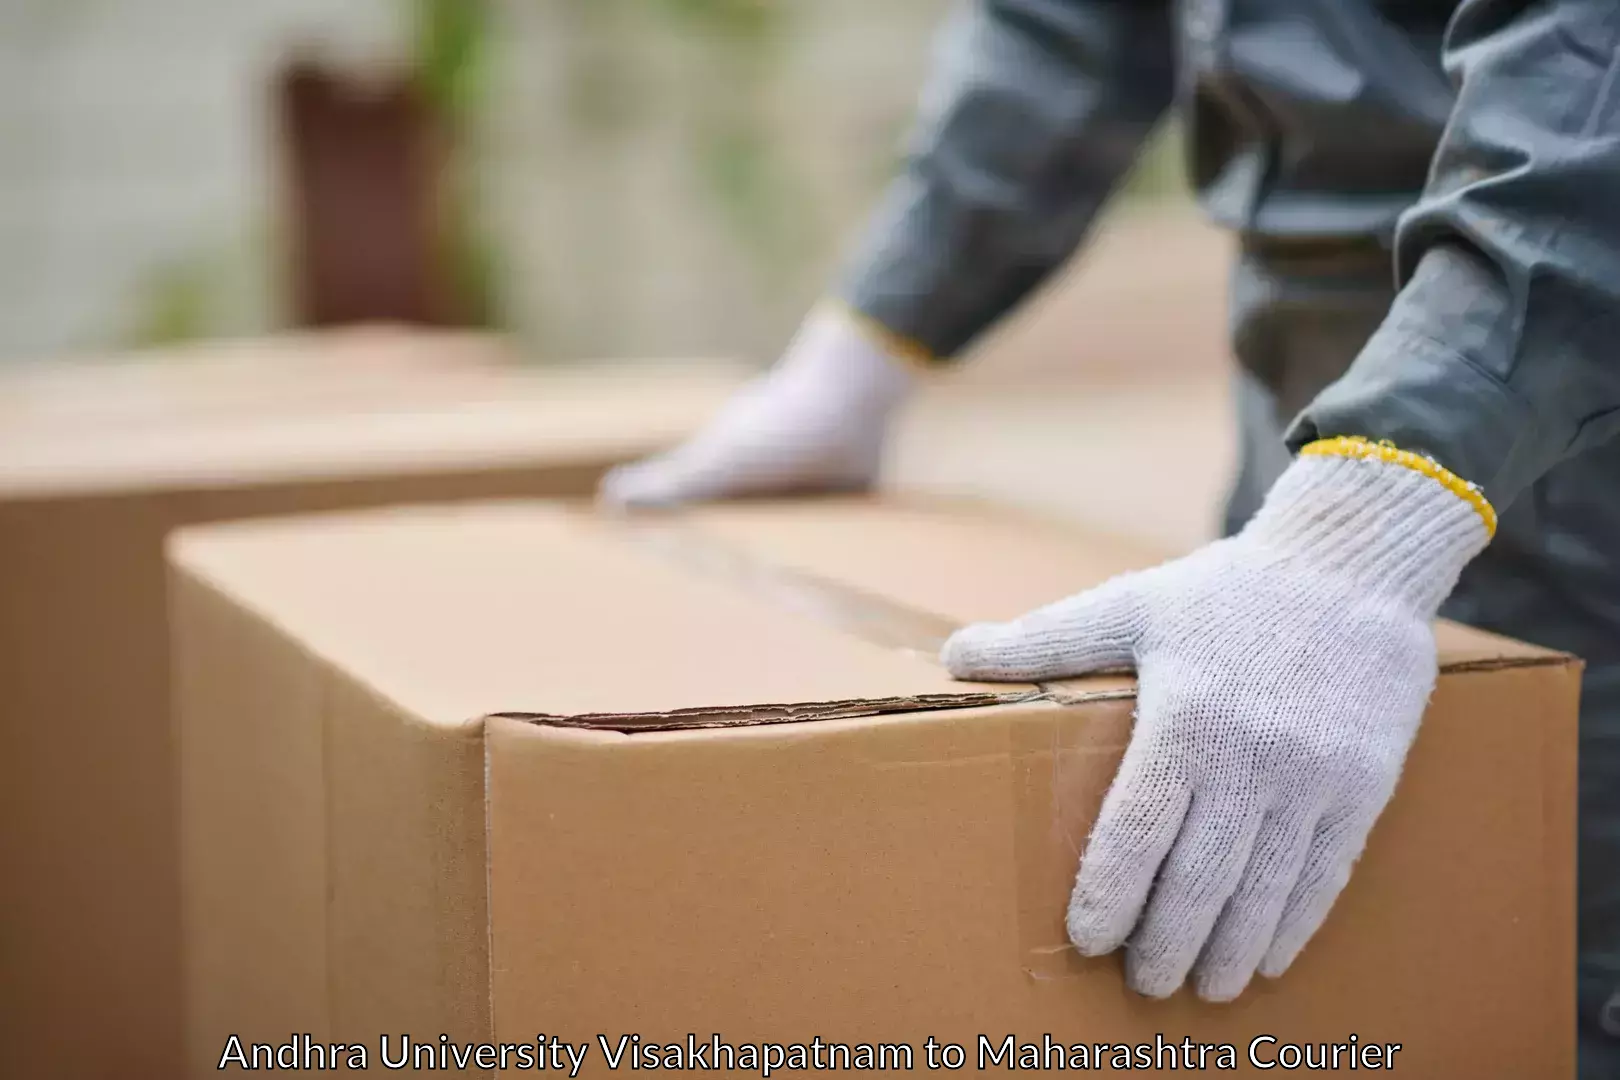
885 877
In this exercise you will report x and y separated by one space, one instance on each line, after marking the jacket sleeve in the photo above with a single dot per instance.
1501 355
1033 112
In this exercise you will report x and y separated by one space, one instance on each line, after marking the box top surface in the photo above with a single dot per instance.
331 405
739 614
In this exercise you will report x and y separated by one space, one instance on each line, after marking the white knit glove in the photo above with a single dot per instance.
816 422
1282 675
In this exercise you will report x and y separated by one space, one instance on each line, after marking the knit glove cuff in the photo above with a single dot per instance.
1391 522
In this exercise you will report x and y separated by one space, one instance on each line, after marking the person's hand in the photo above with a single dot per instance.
815 423
1282 675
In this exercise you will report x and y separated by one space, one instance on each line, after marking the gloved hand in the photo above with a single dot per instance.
1282 674
815 423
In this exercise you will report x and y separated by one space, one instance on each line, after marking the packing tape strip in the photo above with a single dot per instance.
1063 761
872 618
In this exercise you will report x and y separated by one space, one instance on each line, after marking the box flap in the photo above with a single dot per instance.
737 615
249 376
964 560
337 406
459 612
967 562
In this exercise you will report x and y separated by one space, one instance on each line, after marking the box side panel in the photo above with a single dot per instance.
1454 936
334 871
88 919
1550 711
249 710
418 482
407 921
847 879
889 880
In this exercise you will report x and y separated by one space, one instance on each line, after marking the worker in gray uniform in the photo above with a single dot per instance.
1425 306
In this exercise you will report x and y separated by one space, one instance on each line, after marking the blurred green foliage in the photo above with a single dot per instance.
735 152
450 61
735 147
451 55
175 302
741 20
732 148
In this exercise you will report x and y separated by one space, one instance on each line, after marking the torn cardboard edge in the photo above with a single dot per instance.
874 619
753 715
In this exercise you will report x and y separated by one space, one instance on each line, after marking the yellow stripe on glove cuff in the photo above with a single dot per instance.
1351 446
896 345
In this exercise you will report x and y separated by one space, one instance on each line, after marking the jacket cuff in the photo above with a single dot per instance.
1408 389
907 350
912 284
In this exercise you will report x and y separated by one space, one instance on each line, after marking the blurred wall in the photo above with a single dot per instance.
655 177
673 177
136 175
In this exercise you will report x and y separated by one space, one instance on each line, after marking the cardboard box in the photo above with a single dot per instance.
97 463
365 367
515 771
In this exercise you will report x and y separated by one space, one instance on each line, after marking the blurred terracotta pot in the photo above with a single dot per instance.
365 163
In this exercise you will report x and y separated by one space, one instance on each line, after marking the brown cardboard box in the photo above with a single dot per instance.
97 463
364 366
513 770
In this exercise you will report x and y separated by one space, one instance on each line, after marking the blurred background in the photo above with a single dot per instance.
594 179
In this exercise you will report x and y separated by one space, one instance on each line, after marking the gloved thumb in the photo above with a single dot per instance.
1094 631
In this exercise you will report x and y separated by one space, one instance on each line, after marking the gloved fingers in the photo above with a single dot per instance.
637 486
1200 874
1140 818
1093 631
1337 844
1248 923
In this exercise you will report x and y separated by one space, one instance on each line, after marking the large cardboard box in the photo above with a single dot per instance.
98 461
516 772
